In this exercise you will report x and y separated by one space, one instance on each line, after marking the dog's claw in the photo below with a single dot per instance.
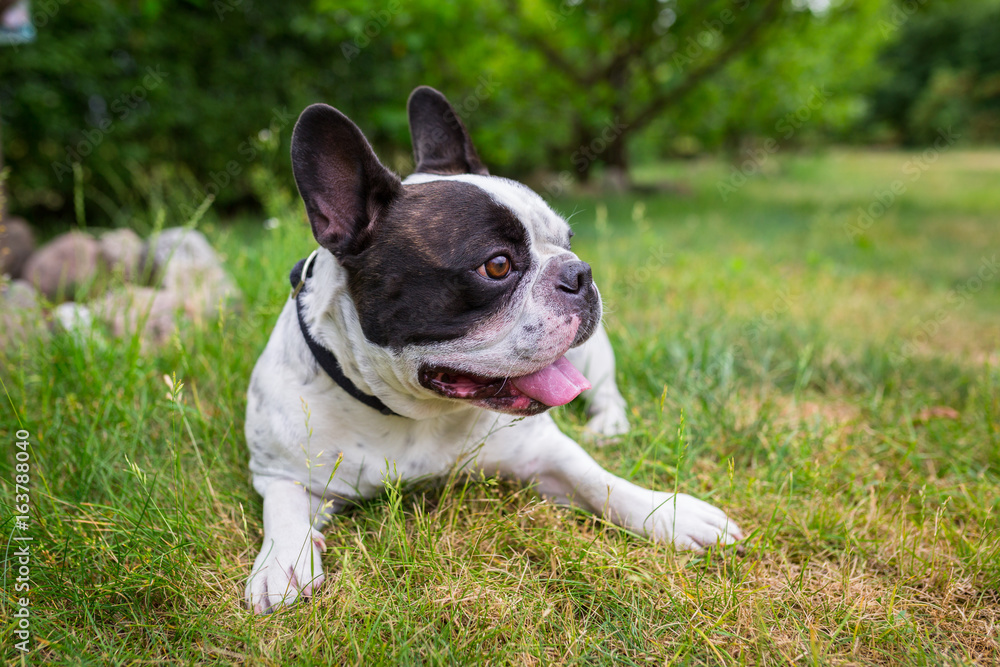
275 583
690 524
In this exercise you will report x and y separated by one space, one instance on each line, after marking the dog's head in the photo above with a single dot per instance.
467 278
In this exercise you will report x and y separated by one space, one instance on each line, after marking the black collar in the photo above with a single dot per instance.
324 357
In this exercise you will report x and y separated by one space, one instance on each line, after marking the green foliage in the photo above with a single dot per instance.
941 70
167 100
578 84
805 86
174 101
144 95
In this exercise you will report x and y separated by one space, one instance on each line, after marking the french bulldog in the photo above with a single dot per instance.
437 322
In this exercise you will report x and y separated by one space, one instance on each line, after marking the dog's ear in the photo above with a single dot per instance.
441 145
344 186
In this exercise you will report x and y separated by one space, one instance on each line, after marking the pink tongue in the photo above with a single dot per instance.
556 384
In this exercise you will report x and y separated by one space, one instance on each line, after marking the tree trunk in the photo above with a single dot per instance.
616 176
581 156
607 145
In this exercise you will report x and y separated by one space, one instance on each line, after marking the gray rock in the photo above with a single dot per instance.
74 317
187 266
18 294
121 252
16 245
127 309
63 265
178 244
21 316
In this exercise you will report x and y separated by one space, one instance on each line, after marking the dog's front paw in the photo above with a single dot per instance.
689 523
606 425
284 570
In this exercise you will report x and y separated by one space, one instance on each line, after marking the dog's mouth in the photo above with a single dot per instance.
556 384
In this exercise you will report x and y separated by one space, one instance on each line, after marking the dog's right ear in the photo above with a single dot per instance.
344 186
441 144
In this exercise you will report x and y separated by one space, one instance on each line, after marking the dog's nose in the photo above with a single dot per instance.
574 277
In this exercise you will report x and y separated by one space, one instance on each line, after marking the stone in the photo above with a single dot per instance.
121 253
17 242
187 266
76 319
21 316
180 244
19 294
125 309
63 265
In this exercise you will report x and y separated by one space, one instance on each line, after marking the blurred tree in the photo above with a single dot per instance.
162 93
807 86
572 85
941 69
620 66
580 79
177 100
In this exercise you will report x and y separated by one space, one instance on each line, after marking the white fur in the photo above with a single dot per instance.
544 225
314 448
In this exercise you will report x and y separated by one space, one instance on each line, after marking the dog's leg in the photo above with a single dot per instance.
605 405
289 563
565 473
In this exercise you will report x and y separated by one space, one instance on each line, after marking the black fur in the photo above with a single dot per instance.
441 144
344 186
411 252
416 282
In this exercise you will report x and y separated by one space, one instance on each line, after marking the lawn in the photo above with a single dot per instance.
832 381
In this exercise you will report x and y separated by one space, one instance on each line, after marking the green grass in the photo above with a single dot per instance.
798 393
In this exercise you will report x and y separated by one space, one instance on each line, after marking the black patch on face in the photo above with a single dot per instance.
416 281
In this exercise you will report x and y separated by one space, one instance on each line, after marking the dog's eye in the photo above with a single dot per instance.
496 268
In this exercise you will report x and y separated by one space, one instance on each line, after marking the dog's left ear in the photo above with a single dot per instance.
441 144
344 186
